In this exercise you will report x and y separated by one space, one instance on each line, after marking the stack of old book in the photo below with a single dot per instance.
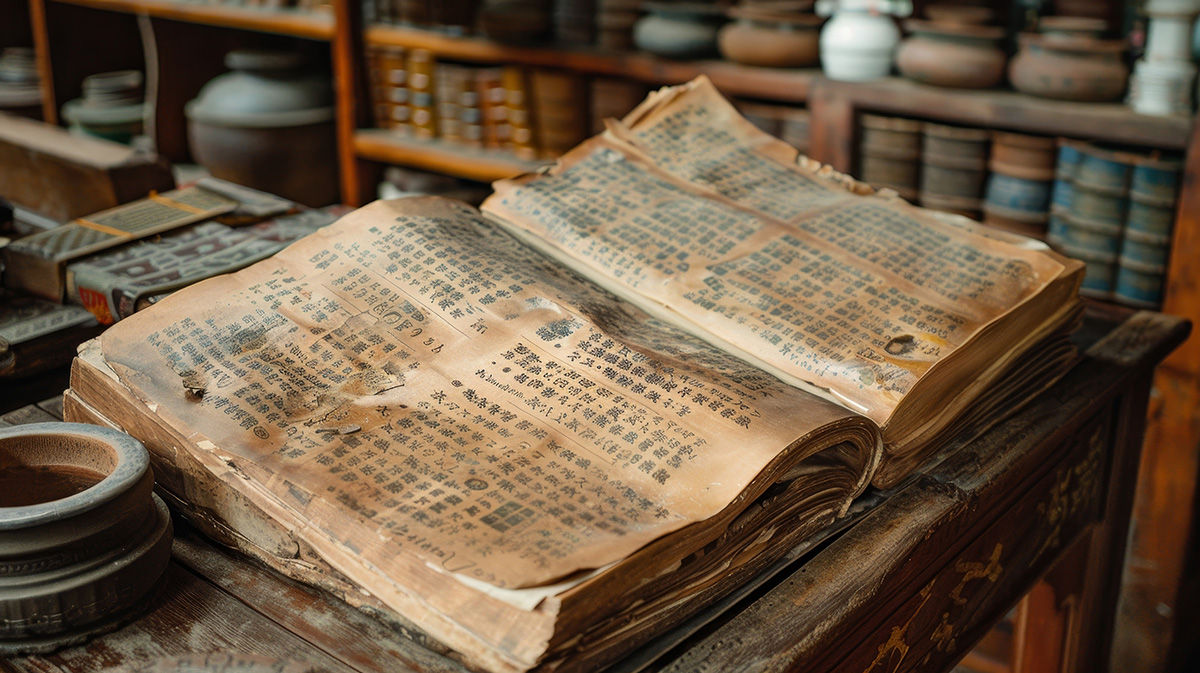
544 433
100 232
530 112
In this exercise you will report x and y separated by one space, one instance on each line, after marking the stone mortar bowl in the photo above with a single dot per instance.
83 539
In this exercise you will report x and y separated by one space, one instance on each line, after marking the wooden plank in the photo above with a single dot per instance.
777 84
1165 519
52 406
1153 594
28 414
834 134
61 175
328 623
438 156
188 617
283 21
41 45
350 87
1045 616
1104 560
1183 274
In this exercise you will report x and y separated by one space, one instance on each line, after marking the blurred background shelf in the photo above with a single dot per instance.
439 156
313 25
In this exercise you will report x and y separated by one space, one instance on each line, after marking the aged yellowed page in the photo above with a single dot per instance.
803 272
415 382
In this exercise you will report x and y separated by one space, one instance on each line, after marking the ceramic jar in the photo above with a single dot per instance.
960 15
83 539
958 56
1069 68
267 125
111 107
19 90
859 42
679 30
768 37
1072 26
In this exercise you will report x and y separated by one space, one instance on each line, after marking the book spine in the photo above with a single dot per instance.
447 83
469 109
516 104
561 110
421 93
393 83
491 108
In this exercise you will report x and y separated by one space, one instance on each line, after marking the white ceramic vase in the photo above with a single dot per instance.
1164 77
859 42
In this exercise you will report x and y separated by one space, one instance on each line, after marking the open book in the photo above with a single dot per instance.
546 432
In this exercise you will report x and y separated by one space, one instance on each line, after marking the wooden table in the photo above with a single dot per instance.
1037 506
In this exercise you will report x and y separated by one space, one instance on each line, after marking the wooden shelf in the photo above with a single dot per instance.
439 156
310 25
1106 122
1112 122
781 85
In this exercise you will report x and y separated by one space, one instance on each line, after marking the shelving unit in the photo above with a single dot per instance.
782 85
310 25
79 37
439 157
835 103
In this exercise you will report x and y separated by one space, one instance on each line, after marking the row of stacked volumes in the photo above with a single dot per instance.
1114 208
530 112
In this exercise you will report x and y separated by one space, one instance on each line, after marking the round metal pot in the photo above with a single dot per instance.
83 539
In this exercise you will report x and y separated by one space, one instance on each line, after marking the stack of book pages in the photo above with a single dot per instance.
544 432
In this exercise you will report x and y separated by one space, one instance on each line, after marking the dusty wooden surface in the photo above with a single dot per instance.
912 586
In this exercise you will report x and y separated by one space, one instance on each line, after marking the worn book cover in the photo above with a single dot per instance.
544 433
37 263
115 284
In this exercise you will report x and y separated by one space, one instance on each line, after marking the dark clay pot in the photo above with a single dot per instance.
958 56
772 39
83 539
1070 68
269 126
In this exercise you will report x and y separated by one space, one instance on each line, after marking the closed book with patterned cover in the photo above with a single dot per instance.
37 263
113 284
